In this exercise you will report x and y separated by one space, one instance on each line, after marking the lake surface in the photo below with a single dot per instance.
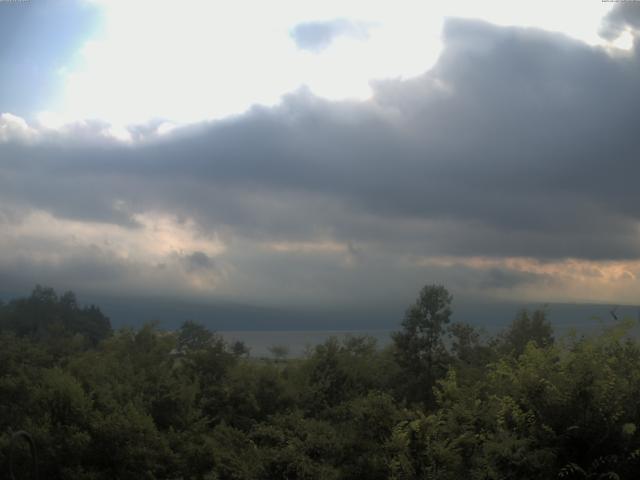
582 319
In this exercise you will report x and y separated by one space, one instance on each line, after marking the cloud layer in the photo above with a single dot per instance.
509 169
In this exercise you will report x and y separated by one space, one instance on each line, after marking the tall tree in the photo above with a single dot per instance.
419 346
526 328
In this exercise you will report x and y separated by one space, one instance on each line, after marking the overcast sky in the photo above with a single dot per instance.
307 154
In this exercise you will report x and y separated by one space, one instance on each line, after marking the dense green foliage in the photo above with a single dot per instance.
443 401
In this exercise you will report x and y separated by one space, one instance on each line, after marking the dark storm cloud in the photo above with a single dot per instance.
199 261
316 36
85 267
518 142
37 39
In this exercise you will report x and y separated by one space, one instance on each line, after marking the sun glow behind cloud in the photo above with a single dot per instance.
105 182
565 280
159 252
197 60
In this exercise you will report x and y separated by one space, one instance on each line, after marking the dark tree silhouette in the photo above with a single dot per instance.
419 346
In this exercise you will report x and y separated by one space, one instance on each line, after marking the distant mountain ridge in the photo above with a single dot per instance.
229 316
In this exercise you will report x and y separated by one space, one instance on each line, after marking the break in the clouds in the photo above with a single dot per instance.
507 170
38 43
316 36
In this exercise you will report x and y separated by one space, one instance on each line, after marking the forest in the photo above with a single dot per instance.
443 401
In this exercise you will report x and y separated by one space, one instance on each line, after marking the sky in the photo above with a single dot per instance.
310 155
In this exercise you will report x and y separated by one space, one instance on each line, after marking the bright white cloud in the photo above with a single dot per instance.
194 60
15 128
